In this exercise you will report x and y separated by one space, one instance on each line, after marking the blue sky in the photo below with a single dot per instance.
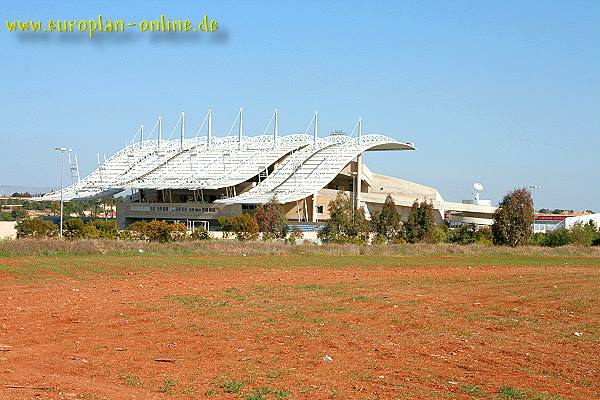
502 92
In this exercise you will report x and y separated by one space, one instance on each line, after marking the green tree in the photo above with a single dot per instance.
387 224
345 225
464 234
226 225
18 213
245 227
583 234
420 226
36 228
513 219
271 220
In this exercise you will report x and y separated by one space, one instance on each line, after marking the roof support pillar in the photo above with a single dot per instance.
209 139
159 131
182 128
241 127
316 127
359 168
276 128
315 217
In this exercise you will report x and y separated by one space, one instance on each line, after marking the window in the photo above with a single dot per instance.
319 209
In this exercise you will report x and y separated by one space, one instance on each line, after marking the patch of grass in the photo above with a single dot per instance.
186 300
232 386
360 298
132 380
189 390
282 394
211 392
168 386
311 287
473 390
273 373
509 392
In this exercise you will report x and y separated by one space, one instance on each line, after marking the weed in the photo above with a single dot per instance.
211 392
232 386
132 380
189 390
509 392
168 386
473 390
282 395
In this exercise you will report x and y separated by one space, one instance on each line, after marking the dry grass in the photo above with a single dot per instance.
52 247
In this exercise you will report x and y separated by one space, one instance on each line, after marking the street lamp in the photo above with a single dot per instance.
62 150
532 189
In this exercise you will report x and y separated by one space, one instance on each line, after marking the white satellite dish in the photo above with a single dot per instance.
478 186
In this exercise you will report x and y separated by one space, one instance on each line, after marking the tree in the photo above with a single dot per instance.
271 220
387 224
226 226
344 225
18 213
513 219
420 226
245 227
36 228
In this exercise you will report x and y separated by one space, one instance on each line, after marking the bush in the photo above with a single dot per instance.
465 234
295 235
157 231
559 237
107 229
513 219
199 234
226 225
73 228
583 234
36 228
420 226
244 227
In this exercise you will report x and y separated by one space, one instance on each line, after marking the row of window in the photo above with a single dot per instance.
174 209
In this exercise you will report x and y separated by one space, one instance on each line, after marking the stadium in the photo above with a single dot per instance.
196 180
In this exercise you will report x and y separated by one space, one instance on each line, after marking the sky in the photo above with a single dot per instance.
506 93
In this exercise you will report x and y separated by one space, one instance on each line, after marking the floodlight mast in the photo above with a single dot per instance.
62 150
359 169
142 134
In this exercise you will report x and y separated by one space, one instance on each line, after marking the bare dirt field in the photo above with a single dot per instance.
258 327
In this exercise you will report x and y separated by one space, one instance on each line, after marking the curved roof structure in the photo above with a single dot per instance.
309 170
302 165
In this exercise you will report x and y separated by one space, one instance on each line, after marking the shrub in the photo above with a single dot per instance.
465 234
559 237
271 220
226 225
420 226
36 228
513 219
199 234
157 231
295 235
484 236
107 229
73 228
583 234
245 227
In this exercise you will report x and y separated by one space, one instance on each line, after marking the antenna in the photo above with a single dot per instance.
478 188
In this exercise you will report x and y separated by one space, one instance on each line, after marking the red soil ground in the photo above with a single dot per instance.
392 332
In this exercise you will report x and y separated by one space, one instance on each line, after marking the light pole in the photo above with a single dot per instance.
532 189
62 150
